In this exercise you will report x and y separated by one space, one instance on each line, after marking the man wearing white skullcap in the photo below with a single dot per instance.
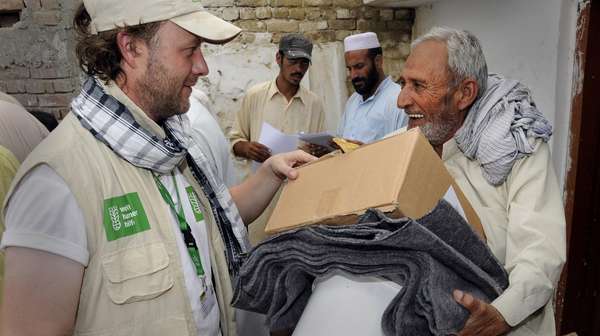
371 112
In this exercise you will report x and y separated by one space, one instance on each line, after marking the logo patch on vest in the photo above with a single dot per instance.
124 216
194 203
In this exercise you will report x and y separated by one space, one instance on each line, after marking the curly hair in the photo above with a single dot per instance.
99 54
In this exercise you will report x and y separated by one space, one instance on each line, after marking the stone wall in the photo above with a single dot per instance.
326 22
38 66
323 21
37 63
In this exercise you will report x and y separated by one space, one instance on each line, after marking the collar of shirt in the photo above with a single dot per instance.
384 83
450 148
273 90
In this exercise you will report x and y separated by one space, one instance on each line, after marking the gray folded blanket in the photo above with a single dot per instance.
429 257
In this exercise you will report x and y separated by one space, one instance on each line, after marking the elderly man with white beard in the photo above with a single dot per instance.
493 141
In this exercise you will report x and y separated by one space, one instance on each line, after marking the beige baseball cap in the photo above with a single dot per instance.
188 14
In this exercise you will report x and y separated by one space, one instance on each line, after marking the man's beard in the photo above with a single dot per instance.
369 82
437 133
443 126
160 93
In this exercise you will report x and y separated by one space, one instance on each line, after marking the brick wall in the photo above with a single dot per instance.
323 21
37 64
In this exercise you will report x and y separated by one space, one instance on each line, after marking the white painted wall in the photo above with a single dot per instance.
532 41
236 67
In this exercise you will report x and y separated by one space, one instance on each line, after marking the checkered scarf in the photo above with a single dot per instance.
114 125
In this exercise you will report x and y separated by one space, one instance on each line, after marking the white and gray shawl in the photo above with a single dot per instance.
501 128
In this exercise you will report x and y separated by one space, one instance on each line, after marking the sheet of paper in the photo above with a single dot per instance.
277 141
451 198
321 139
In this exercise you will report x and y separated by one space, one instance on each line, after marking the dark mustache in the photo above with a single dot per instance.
358 79
297 74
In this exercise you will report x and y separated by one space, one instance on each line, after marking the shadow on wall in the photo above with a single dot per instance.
10 12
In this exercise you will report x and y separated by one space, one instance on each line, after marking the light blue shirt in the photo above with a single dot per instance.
372 119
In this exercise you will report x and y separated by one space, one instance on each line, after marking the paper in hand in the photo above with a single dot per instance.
321 139
276 140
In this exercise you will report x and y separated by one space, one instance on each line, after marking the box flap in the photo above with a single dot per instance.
426 179
426 182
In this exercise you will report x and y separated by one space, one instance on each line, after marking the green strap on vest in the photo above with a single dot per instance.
188 238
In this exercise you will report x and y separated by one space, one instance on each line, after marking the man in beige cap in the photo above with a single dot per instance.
117 225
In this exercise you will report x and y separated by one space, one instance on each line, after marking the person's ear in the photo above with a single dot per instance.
467 93
130 49
278 58
378 62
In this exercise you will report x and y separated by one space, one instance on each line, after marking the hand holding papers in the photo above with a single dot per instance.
321 139
252 150
325 142
277 141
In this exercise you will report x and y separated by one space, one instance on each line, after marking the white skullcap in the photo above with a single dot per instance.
361 41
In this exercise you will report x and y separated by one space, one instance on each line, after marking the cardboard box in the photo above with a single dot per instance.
401 175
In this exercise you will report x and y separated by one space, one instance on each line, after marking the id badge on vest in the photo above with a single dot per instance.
207 296
208 300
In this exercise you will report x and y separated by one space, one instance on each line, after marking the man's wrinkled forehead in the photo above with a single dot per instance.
428 57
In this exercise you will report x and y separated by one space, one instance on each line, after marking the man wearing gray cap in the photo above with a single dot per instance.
116 224
282 102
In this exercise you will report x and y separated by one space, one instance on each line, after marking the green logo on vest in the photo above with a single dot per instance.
194 203
124 216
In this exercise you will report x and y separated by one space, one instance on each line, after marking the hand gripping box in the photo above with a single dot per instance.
401 175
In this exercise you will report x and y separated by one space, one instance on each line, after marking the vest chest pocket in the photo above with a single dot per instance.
137 273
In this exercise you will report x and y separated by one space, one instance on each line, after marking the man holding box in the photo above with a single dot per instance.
494 143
